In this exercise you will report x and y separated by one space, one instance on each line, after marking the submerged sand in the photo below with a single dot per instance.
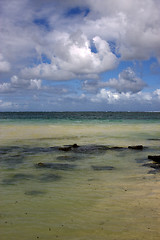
81 203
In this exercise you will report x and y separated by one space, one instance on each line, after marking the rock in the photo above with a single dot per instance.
152 165
153 171
75 146
101 168
137 147
40 164
155 158
66 149
91 149
154 139
116 148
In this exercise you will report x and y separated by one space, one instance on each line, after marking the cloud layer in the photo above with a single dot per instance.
47 43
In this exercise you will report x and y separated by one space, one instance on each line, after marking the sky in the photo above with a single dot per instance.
74 55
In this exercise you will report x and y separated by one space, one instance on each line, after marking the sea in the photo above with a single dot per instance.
79 176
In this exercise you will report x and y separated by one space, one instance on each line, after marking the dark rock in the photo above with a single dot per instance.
56 166
137 147
91 149
153 171
40 164
152 165
155 158
75 146
116 148
101 168
96 149
154 139
88 148
65 149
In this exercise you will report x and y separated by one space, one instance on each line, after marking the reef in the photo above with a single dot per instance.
137 147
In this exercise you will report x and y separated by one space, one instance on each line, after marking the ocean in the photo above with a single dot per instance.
71 175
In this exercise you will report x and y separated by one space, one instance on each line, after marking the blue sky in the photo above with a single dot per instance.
90 55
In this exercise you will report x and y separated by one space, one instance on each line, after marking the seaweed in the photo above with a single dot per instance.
49 177
19 177
101 168
68 158
56 166
35 193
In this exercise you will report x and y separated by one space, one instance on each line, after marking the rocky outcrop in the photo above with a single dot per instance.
155 164
137 147
155 158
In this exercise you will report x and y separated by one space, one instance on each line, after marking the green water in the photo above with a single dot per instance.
78 202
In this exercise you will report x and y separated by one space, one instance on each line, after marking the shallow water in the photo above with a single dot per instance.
78 199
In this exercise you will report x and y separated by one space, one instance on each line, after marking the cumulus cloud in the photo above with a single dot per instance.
4 65
157 93
5 88
20 84
127 82
25 84
105 95
70 40
133 25
112 97
73 58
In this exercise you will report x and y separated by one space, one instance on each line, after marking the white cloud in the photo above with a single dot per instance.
127 82
157 93
48 43
20 84
105 95
73 58
133 25
16 82
5 104
4 65
5 88
111 97
35 84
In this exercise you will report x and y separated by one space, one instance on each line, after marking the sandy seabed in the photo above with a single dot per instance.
78 203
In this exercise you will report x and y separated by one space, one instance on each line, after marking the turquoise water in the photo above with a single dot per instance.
91 192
